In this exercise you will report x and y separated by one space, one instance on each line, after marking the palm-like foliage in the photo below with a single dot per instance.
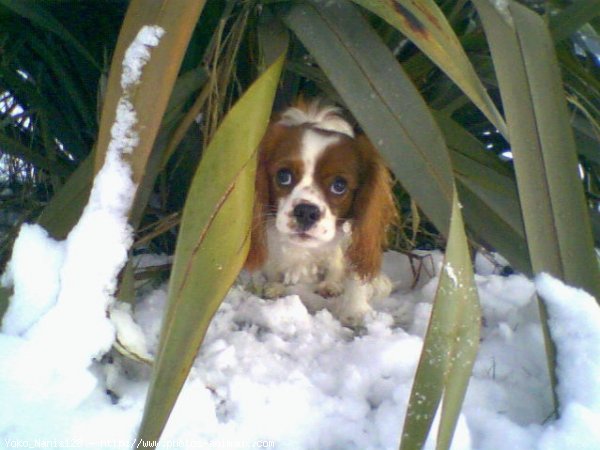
419 78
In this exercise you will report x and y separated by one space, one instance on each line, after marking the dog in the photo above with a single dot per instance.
323 205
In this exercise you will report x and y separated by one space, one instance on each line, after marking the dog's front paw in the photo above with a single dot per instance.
274 289
329 289
351 314
354 318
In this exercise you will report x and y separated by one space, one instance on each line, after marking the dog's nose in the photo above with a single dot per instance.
306 215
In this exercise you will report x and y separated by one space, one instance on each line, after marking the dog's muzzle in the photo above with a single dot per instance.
306 215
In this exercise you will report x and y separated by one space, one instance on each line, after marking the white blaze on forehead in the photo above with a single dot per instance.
313 146
320 117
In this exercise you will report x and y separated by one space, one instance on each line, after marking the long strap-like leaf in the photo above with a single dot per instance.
555 215
32 11
554 209
426 26
488 194
570 19
13 147
212 244
450 346
150 97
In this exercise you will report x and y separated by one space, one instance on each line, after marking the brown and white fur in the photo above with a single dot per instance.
323 205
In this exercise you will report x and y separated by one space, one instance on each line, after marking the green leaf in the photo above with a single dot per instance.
126 292
33 11
572 18
212 244
384 101
450 346
427 27
463 142
595 218
488 193
5 294
554 209
57 65
492 228
149 98
15 148
186 86
175 119
587 139
64 209
63 123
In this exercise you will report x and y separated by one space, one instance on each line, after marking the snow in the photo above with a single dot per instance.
33 253
271 373
57 325
451 274
138 54
129 336
574 317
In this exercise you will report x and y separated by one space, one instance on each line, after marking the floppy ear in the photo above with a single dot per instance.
373 211
263 207
257 254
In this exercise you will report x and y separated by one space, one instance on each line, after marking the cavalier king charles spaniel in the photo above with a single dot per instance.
323 204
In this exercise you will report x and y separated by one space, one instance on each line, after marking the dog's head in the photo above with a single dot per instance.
314 175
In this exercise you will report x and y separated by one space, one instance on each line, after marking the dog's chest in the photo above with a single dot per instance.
291 264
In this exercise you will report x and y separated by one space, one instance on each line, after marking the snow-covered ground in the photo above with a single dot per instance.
272 375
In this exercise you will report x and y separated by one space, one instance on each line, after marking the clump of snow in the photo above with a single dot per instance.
574 319
510 386
451 274
124 138
489 263
130 338
57 321
138 54
33 253
277 373
272 374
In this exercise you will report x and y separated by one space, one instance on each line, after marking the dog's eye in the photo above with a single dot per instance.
284 177
339 186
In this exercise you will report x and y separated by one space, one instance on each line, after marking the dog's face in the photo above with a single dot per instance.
313 177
